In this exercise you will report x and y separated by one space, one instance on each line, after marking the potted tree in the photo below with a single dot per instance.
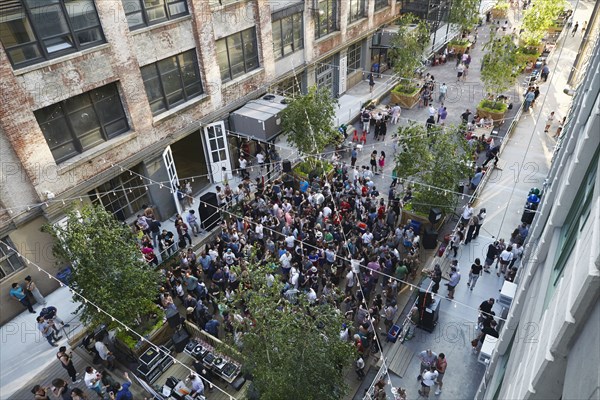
308 123
539 18
498 75
500 10
465 14
408 47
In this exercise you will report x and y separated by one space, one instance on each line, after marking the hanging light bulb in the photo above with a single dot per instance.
192 179
63 202
146 187
162 186
49 276
81 199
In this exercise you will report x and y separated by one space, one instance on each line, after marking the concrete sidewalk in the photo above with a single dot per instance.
24 353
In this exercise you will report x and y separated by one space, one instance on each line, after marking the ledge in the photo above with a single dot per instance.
94 152
242 78
61 59
160 25
158 119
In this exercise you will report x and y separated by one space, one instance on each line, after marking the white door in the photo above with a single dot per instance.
173 179
218 152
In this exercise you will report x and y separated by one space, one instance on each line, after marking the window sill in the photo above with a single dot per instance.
242 78
215 6
288 54
327 37
160 25
356 22
89 155
169 113
66 57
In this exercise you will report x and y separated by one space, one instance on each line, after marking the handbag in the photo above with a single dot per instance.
474 342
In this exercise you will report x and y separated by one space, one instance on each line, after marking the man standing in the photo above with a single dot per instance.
429 378
465 116
243 165
574 31
485 310
105 354
197 386
48 333
467 214
529 98
353 156
396 111
443 91
17 293
454 279
192 221
365 118
123 392
440 366
428 359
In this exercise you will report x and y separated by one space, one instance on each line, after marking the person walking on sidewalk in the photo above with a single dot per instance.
66 361
504 259
475 273
396 111
440 366
371 82
16 292
549 122
574 31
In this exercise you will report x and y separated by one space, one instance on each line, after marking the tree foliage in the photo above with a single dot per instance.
450 164
499 63
107 268
440 159
308 121
464 13
293 350
408 46
539 16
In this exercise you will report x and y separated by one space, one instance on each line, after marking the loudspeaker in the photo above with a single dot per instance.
287 166
430 238
527 216
209 211
173 318
435 214
180 339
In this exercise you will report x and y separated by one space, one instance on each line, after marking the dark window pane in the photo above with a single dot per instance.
50 21
82 14
15 28
24 53
178 8
84 120
277 40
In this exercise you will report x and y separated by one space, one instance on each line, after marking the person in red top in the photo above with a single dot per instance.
440 366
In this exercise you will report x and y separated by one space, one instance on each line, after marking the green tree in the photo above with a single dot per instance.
107 267
308 121
499 63
439 159
414 150
464 13
408 48
539 16
293 348
450 164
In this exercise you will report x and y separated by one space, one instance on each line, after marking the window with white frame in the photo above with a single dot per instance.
354 57
141 13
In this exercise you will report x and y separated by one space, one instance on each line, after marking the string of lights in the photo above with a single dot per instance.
78 296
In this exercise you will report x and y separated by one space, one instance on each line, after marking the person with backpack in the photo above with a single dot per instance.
365 118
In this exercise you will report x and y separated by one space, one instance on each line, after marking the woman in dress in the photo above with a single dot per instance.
381 161
35 292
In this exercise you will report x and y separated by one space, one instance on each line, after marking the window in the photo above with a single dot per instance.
33 31
82 122
141 13
237 54
9 259
574 222
326 20
357 10
354 52
123 196
288 35
379 4
172 81
289 87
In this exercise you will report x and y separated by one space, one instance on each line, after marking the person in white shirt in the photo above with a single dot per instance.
467 214
197 386
243 165
260 159
429 378
259 231
432 110
311 295
505 258
443 90
396 111
93 381
367 237
105 354
350 281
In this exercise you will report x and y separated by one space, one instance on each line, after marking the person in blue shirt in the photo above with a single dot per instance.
17 293
353 157
212 327
303 186
123 392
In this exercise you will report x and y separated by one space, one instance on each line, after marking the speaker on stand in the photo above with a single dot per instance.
209 211
287 166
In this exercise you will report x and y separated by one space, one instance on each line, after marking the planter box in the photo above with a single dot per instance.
499 13
458 48
497 116
405 100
